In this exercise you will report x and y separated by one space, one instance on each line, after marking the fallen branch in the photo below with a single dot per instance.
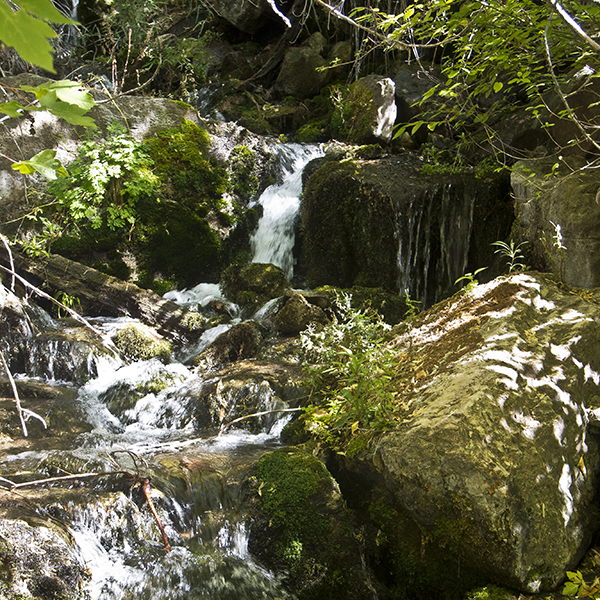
257 414
147 492
24 413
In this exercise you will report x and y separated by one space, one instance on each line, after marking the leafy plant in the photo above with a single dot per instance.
105 181
27 29
67 300
577 586
471 282
352 372
512 253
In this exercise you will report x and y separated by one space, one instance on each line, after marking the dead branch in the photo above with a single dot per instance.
257 414
24 413
147 492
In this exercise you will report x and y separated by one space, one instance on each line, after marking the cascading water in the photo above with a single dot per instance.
148 421
273 240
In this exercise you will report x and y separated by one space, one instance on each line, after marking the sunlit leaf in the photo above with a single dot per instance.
45 163
45 10
11 109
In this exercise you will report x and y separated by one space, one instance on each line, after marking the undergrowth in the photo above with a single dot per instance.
349 369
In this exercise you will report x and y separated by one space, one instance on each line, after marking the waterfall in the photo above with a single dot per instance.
273 240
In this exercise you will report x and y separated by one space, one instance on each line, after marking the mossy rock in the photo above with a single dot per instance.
305 528
240 341
348 230
253 284
137 342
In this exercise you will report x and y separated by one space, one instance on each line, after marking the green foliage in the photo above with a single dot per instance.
70 302
577 586
493 53
352 372
512 253
106 181
26 29
470 280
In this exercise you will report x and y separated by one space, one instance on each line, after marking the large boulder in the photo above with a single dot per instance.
245 16
299 311
557 214
302 72
492 470
383 223
370 110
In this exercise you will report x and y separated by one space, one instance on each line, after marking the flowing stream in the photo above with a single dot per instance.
273 241
149 421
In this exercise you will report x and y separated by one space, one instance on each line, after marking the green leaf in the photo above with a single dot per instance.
27 35
44 9
498 86
65 90
570 589
72 112
11 109
45 162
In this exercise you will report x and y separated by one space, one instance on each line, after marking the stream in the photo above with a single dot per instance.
147 421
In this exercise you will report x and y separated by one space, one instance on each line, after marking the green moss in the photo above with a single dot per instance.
244 172
254 283
136 344
307 529
490 592
313 132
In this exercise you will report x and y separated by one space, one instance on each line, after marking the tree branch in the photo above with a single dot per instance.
573 24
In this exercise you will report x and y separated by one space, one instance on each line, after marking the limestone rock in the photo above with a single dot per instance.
298 75
551 203
38 563
372 110
253 284
297 313
494 465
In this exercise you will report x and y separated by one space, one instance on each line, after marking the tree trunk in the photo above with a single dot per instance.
102 293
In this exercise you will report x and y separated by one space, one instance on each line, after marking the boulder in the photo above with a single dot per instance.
298 313
557 214
299 75
383 223
245 16
492 469
370 110
253 284
39 563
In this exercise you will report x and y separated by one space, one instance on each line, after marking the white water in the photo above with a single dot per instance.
273 241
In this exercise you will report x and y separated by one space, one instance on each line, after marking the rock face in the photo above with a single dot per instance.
245 16
383 223
494 465
549 202
372 108
39 563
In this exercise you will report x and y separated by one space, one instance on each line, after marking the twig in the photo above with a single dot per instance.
574 25
257 414
10 260
24 414
147 492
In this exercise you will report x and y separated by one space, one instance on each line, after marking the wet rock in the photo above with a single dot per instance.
298 312
138 342
493 460
39 563
371 110
239 342
245 16
552 202
252 285
303 527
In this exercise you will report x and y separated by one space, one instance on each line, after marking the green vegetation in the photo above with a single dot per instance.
137 344
512 253
350 373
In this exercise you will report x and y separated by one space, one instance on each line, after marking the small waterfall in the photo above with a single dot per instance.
273 240
434 235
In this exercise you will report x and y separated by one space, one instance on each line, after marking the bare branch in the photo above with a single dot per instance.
257 414
573 24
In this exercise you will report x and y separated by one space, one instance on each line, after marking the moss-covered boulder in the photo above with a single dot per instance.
303 527
138 342
492 470
253 284
240 341
298 313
